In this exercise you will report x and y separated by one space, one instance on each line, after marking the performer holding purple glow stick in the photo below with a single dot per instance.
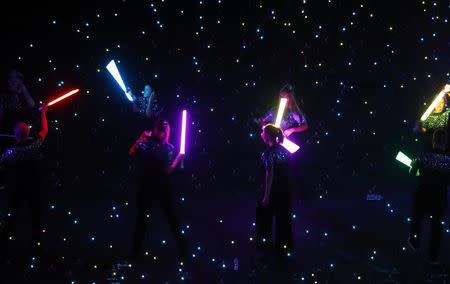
157 159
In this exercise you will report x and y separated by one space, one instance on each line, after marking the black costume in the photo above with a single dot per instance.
434 122
430 198
156 109
22 163
154 185
14 109
276 159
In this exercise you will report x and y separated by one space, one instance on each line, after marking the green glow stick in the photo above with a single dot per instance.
402 158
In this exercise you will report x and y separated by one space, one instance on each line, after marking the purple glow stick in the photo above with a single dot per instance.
183 133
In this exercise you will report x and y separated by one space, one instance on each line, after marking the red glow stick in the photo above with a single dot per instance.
66 95
73 92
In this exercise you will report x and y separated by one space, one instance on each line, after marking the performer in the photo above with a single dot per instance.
147 105
294 120
293 124
430 198
276 198
22 163
157 159
15 105
439 119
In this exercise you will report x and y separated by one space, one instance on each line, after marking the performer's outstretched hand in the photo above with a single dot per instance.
43 108
418 127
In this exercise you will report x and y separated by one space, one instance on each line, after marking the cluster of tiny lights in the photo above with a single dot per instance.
362 78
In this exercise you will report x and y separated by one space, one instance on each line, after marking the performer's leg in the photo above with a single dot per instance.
167 206
10 221
283 224
416 221
263 226
35 210
144 204
437 229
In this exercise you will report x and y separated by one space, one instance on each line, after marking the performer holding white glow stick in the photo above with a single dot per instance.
276 197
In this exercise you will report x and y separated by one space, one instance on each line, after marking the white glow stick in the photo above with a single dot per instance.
112 68
290 146
435 102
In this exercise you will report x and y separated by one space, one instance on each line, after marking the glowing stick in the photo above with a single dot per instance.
73 92
435 102
183 133
290 146
283 102
287 144
112 68
402 158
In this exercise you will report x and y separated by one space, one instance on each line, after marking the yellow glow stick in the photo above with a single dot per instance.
435 102
283 102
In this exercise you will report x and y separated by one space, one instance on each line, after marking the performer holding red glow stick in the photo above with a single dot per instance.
22 163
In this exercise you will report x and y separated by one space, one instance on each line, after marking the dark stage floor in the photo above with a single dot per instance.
341 240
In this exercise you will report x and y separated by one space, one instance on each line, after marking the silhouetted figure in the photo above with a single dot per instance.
22 163
294 120
430 198
146 106
16 104
439 119
276 199
157 160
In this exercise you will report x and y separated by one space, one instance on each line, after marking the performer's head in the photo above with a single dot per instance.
161 130
441 105
440 140
148 91
271 134
21 131
15 80
288 92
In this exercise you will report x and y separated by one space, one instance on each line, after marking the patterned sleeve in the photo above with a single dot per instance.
15 155
170 155
268 117
141 147
6 157
436 121
267 160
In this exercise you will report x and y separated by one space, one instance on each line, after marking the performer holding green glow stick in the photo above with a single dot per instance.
430 198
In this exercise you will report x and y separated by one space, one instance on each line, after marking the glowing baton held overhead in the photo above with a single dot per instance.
183 136
65 96
183 133
402 158
281 108
435 102
287 144
112 68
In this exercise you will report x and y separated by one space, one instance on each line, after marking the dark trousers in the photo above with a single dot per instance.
146 198
423 207
30 197
279 207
